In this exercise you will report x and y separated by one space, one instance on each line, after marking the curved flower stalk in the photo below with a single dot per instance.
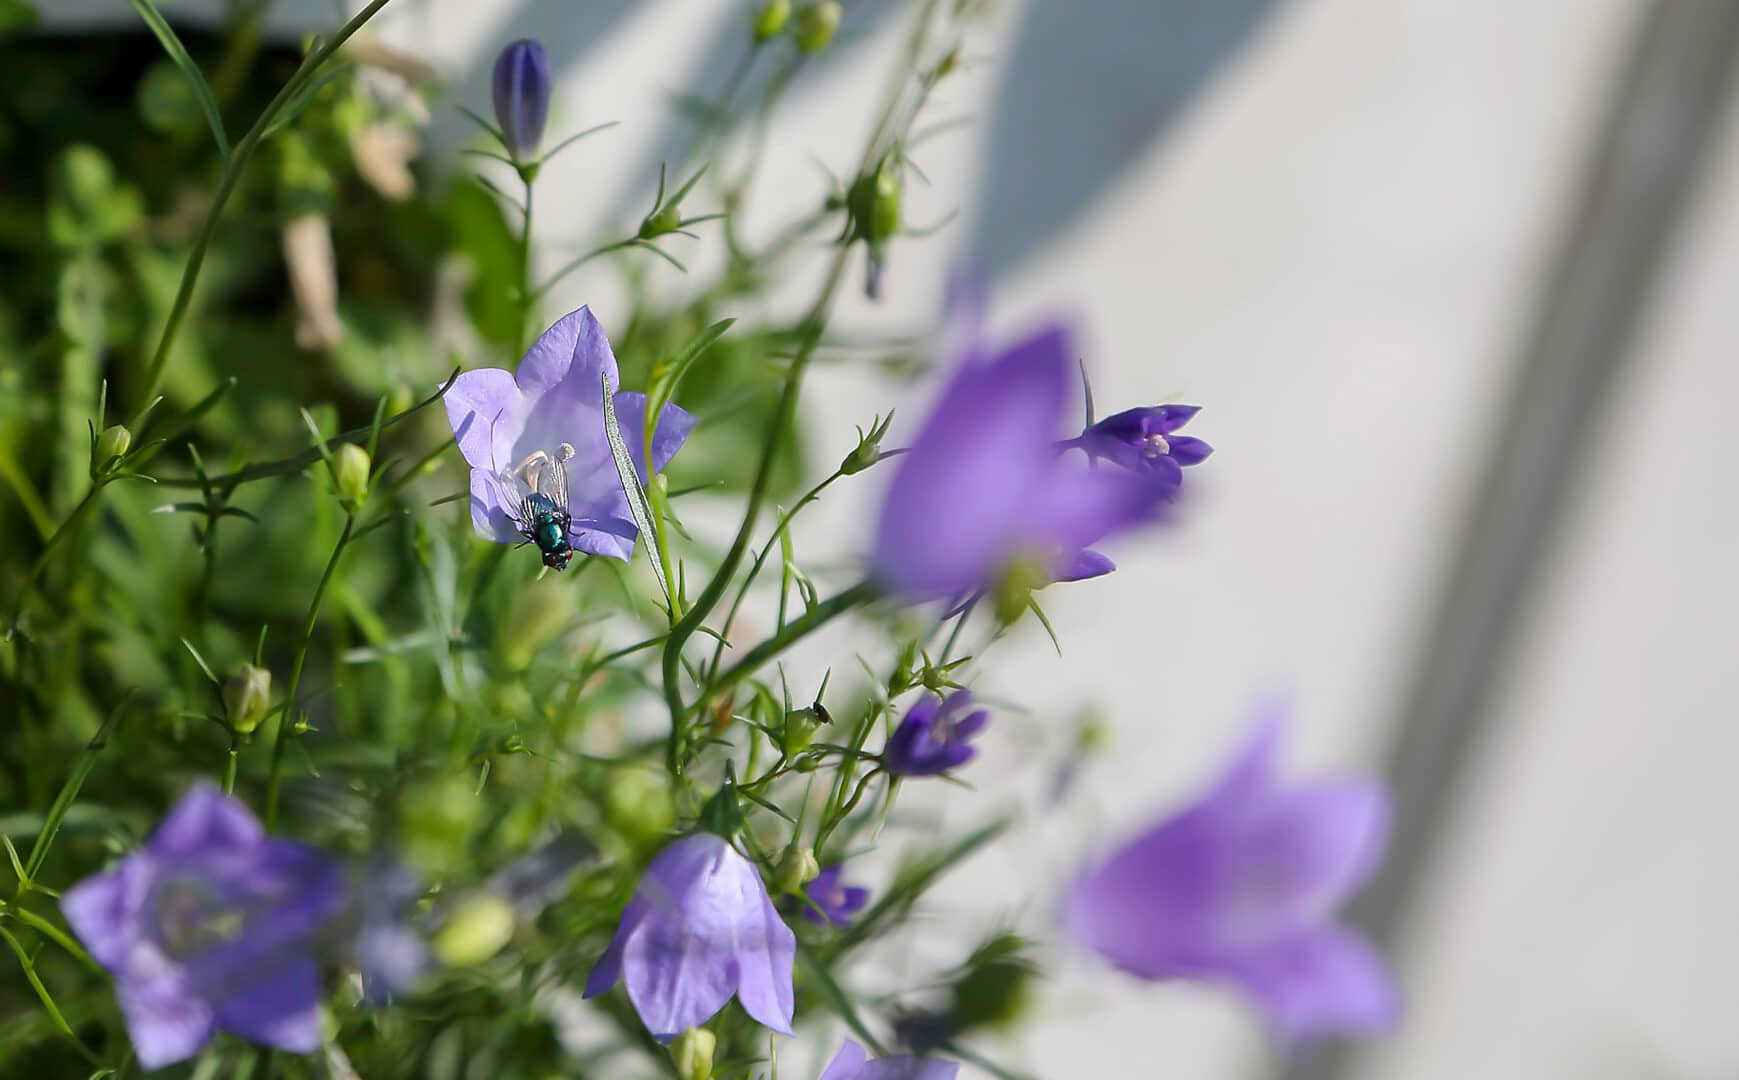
514 428
985 492
1241 887
699 929
210 925
853 1063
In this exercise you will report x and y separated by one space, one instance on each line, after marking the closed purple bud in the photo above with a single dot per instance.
522 87
932 739
1241 888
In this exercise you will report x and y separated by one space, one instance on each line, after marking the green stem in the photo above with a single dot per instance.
527 302
794 631
232 172
760 560
72 522
286 718
615 245
49 930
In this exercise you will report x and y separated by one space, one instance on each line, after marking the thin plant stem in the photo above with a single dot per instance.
527 302
286 718
794 631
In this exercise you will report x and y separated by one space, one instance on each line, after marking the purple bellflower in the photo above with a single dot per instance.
1145 439
985 489
536 438
932 739
700 928
1241 888
837 901
209 925
522 88
853 1063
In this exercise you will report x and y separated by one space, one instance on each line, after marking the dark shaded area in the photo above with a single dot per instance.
1086 90
1666 114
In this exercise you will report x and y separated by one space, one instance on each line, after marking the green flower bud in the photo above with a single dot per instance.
1014 590
112 443
874 201
477 930
693 1054
246 696
666 219
800 727
869 447
771 19
350 471
797 868
437 818
816 25
637 804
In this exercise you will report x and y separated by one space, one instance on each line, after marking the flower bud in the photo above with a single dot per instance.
112 443
693 1054
638 806
800 727
869 447
797 868
816 25
522 89
1014 590
874 201
534 620
350 471
246 695
771 19
666 219
479 928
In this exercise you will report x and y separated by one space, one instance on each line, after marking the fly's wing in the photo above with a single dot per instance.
537 484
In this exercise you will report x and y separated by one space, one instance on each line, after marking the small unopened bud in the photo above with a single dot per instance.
692 1051
664 220
799 729
112 443
771 19
246 695
350 471
1014 590
536 618
797 868
816 25
637 806
477 930
522 89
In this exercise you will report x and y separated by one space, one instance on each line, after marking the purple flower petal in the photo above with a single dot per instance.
766 953
165 1027
853 1063
205 819
572 354
474 401
958 508
1188 450
1082 565
847 1063
674 425
489 514
281 1010
1327 982
101 908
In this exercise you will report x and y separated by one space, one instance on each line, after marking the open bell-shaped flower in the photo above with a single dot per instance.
1241 888
699 929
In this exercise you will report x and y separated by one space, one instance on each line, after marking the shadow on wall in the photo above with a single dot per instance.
1086 89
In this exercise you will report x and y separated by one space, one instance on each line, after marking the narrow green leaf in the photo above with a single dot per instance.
178 53
69 791
667 376
44 996
304 97
17 864
837 997
200 660
631 488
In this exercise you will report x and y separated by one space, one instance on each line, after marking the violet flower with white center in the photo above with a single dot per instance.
1145 439
837 901
539 434
521 86
986 492
932 739
209 925
700 928
853 1063
1241 887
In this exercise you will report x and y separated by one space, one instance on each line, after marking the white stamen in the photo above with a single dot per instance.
1156 446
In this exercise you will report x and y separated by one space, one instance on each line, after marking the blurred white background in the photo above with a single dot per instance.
1327 221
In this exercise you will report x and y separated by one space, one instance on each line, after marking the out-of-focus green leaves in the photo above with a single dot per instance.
167 102
17 15
87 203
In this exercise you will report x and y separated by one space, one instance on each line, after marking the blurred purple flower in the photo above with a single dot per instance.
837 900
209 925
932 739
387 946
985 488
853 1063
1241 888
699 929
507 424
522 88
1143 439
